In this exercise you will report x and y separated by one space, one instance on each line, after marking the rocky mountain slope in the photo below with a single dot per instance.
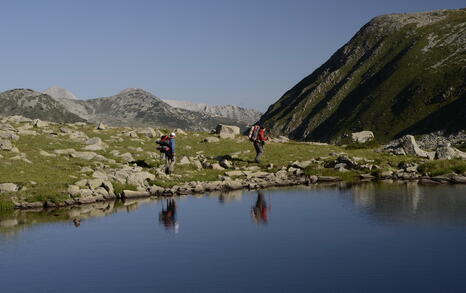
401 73
228 111
57 92
136 107
34 105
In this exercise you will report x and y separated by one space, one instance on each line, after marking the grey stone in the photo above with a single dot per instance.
410 147
362 136
101 126
134 194
6 145
211 139
447 152
184 161
216 166
8 187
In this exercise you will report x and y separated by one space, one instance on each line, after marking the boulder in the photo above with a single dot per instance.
45 154
8 187
101 126
127 157
216 166
197 164
234 173
6 145
84 155
225 131
184 161
8 135
226 164
410 146
211 139
180 131
39 123
94 144
134 194
362 136
148 132
447 152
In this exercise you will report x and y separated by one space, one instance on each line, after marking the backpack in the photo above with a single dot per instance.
254 133
164 144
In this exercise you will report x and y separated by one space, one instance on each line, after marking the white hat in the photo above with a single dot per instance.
173 134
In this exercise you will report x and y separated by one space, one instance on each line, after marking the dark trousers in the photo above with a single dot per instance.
259 146
170 160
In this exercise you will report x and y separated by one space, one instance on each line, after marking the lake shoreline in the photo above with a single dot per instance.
257 183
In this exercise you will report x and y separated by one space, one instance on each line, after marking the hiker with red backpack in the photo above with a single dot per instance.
257 136
167 147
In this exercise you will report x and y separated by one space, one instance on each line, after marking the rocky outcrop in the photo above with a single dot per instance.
57 92
447 152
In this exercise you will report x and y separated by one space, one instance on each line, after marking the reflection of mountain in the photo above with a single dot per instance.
412 202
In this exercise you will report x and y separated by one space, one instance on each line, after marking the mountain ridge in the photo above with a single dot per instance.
398 70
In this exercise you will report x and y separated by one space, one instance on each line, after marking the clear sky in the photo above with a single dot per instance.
246 53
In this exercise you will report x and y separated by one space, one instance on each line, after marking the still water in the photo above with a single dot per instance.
366 238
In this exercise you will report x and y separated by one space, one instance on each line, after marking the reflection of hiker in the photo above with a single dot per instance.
259 210
167 216
257 136
77 222
167 147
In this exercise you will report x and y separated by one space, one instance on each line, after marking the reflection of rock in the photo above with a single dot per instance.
235 195
411 201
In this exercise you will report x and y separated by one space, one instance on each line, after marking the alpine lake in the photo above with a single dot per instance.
371 237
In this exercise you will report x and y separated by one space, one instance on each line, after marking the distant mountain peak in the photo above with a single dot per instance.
58 92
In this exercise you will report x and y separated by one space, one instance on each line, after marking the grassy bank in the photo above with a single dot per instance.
45 177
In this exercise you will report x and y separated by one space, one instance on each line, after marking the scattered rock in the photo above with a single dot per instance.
227 131
5 145
184 161
180 131
408 142
38 123
101 126
211 139
45 154
8 187
362 136
447 152
216 166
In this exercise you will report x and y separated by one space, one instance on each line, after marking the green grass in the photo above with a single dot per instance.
119 187
47 178
441 167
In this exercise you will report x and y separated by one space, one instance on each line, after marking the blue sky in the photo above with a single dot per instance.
246 53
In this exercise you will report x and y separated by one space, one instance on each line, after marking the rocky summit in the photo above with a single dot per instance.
400 74
35 105
131 107
57 92
229 111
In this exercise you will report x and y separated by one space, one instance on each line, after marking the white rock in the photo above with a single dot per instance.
362 136
8 187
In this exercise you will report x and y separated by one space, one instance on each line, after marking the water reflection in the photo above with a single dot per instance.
410 201
260 209
400 202
167 216
13 222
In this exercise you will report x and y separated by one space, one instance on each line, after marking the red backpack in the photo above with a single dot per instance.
254 133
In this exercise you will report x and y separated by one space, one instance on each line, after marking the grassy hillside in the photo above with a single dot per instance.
399 74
